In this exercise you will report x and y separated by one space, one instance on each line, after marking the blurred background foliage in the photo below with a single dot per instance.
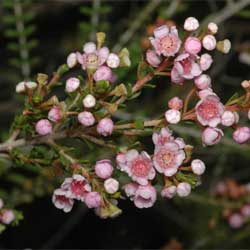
36 36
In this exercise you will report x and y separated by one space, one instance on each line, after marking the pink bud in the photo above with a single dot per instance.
71 60
111 185
245 84
191 24
105 127
55 114
103 169
212 28
245 210
175 103
173 116
209 42
113 60
89 47
130 189
228 118
183 189
7 216
236 220
43 127
205 61
192 45
211 136
72 84
1 203
198 167
121 158
103 73
169 192
152 58
93 200
86 118
203 81
241 135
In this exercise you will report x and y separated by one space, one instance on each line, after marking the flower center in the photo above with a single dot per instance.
167 42
62 198
186 64
77 187
91 59
208 109
140 168
165 158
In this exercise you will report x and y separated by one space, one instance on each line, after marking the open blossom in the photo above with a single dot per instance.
175 103
168 158
183 189
55 114
166 41
145 196
191 24
43 127
93 200
169 192
152 58
77 187
138 166
209 111
236 220
161 138
241 135
186 67
192 45
130 189
61 200
211 136
105 127
92 58
103 169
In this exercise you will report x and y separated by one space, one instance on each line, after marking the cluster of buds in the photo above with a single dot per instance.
236 194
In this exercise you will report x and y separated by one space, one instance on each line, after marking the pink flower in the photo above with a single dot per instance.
209 42
103 73
55 114
93 200
203 81
139 167
245 210
211 136
43 127
183 189
86 118
198 166
161 138
173 116
105 127
236 220
168 158
103 169
152 58
169 192
191 24
192 45
145 196
186 66
205 61
61 201
7 216
166 41
121 160
241 135
205 92
209 111
229 118
176 77
130 189
77 187
72 84
111 185
175 103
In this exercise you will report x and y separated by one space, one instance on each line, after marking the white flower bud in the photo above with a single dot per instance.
111 185
71 60
22 86
212 28
191 24
228 118
173 116
198 167
113 60
183 189
89 101
209 42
